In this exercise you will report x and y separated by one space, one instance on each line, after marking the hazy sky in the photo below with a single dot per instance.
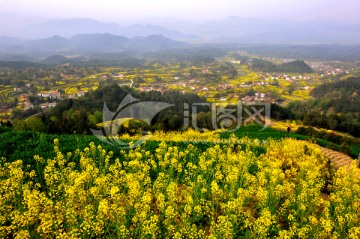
191 10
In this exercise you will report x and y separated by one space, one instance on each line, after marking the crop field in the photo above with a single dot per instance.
211 186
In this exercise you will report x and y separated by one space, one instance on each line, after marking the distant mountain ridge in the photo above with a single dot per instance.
70 27
87 43
236 29
232 29
278 37
19 64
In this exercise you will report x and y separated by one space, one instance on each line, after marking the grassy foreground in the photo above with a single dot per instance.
25 144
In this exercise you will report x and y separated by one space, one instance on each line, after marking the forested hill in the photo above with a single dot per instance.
340 96
295 66
291 67
337 106
344 88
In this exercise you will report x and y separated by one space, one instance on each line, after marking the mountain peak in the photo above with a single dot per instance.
156 36
57 37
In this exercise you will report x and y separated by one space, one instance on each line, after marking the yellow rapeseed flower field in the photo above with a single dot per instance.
224 191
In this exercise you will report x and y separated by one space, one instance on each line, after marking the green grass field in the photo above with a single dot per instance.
25 144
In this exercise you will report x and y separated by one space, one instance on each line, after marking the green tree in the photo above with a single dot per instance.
19 124
35 124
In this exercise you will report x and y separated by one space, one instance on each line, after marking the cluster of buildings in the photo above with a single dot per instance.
25 104
3 109
47 105
57 95
80 93
194 84
50 94
152 88
258 97
328 69
269 76
223 87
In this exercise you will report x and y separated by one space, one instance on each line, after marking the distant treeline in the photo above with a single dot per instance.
20 64
80 115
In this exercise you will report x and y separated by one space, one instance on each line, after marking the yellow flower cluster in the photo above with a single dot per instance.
222 191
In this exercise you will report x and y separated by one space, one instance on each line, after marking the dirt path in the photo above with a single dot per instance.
337 158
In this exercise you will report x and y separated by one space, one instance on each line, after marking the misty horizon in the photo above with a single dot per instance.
260 21
127 12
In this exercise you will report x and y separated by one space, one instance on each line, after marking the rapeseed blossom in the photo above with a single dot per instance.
227 190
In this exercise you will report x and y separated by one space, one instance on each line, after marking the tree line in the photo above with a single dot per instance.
81 115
